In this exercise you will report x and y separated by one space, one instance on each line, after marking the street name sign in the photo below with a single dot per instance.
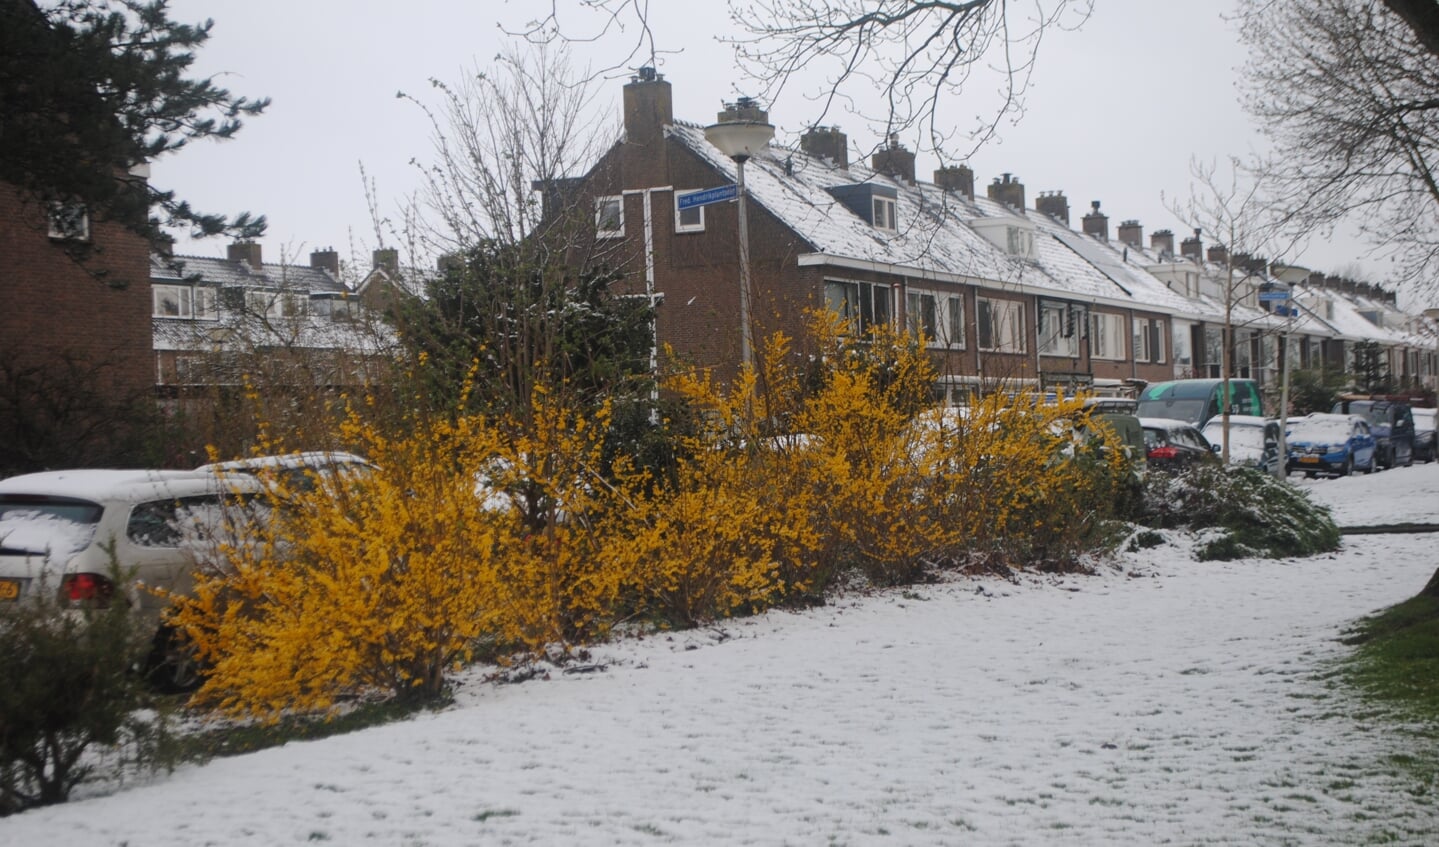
708 196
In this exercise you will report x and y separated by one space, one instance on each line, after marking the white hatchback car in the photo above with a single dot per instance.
65 531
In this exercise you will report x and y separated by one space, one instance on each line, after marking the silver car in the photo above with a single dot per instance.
67 531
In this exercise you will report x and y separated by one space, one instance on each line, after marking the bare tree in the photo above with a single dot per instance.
1348 91
1233 208
496 136
916 56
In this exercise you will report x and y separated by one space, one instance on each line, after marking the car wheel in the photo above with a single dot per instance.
171 666
1348 466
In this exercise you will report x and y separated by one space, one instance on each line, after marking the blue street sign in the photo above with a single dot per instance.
1273 296
708 196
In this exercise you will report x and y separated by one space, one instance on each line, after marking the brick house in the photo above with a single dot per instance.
74 329
1005 292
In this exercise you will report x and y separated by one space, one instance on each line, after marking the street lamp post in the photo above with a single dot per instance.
743 129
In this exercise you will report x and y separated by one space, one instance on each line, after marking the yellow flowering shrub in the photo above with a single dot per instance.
376 580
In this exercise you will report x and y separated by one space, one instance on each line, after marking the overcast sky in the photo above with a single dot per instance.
1116 112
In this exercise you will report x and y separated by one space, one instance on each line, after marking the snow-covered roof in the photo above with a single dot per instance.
228 274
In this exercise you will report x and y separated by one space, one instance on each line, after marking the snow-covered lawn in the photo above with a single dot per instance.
1163 701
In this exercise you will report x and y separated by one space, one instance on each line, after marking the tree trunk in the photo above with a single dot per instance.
1432 589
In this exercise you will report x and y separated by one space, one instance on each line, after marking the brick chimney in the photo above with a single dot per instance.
894 161
1008 191
326 260
1161 241
1218 254
956 178
386 259
1131 233
1096 223
1054 204
826 143
244 251
1316 280
649 106
1192 248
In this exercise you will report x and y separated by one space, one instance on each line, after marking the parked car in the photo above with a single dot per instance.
1253 441
1119 415
1390 422
1173 444
1330 444
1425 448
1195 401
67 531
295 471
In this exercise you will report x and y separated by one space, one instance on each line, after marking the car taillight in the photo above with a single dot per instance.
1164 453
87 588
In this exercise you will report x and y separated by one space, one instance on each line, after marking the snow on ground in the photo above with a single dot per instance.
1163 701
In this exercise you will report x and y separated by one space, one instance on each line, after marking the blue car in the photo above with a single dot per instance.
1330 444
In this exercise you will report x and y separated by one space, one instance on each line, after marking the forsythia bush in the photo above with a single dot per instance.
380 579
524 534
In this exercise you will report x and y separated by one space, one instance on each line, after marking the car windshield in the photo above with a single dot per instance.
38 525
1319 432
1244 437
1182 410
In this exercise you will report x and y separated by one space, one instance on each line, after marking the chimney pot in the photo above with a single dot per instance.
1054 204
1096 223
1009 192
826 143
956 178
244 251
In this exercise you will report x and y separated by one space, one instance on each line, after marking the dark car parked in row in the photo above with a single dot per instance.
1390 422
1425 448
1174 444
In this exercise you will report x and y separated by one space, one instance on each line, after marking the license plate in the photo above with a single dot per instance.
9 589
1313 460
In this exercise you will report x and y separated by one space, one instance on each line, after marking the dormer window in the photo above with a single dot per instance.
874 203
883 213
610 217
1013 235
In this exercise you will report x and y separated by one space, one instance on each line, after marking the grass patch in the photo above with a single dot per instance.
1396 660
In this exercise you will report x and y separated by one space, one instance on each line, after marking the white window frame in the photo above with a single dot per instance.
948 329
882 212
1155 344
680 225
1005 322
69 221
1054 319
603 203
1106 330
191 302
875 292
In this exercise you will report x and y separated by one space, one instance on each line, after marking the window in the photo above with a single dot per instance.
69 222
274 304
1149 340
1019 242
1106 336
863 304
1001 326
1057 330
883 211
183 301
610 217
687 220
939 316
1183 354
